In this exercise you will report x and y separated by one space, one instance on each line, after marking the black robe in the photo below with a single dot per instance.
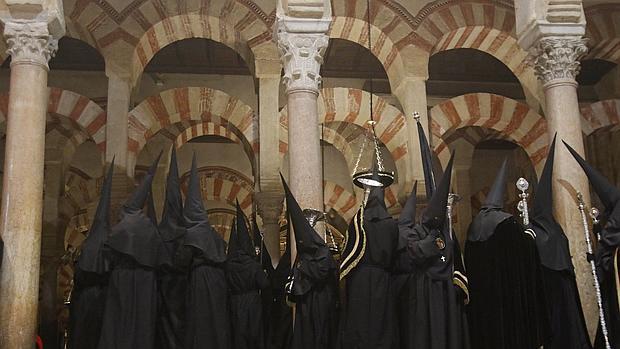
433 292
314 292
207 309
246 279
278 314
608 267
131 305
507 307
136 251
369 316
567 324
86 309
172 296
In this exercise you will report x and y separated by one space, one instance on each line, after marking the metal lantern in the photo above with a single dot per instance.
374 174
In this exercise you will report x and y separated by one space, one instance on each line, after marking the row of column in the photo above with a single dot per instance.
301 46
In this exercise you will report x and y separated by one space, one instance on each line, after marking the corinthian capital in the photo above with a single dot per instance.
302 56
558 58
29 42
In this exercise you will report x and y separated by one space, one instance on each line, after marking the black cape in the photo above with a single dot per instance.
507 307
172 278
278 315
136 251
246 279
204 254
313 286
567 323
90 278
369 314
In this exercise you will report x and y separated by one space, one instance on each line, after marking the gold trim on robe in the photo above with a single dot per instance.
351 257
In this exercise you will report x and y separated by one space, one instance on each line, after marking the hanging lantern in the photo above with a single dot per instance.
373 174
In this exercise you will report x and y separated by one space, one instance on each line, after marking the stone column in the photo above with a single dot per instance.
270 197
30 45
269 208
302 44
412 96
556 62
119 96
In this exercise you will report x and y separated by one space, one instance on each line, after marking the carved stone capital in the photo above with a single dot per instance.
29 42
558 58
301 55
269 206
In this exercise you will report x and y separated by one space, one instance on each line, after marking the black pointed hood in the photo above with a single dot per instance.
92 258
434 216
135 235
427 162
495 198
200 234
263 255
407 215
284 265
552 243
172 225
306 238
483 225
607 192
375 207
240 242
140 195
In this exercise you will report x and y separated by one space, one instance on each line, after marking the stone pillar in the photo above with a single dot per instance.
119 96
270 197
412 96
269 208
557 65
30 45
301 43
553 33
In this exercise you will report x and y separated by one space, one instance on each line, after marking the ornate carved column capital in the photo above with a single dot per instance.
301 55
269 205
558 58
29 42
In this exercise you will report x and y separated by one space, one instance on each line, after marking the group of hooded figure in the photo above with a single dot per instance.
399 283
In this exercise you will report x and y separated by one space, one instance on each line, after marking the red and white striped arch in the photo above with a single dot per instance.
244 34
511 119
192 106
340 200
602 114
351 106
205 129
224 185
603 32
89 116
482 26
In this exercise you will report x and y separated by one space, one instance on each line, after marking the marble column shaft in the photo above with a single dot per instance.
302 56
412 96
557 64
119 95
270 196
31 46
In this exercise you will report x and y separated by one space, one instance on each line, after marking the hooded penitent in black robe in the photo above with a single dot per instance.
567 323
278 315
607 255
204 252
172 278
246 279
136 250
369 314
432 297
312 286
507 308
90 277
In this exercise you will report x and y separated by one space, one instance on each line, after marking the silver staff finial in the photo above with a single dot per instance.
416 116
523 186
